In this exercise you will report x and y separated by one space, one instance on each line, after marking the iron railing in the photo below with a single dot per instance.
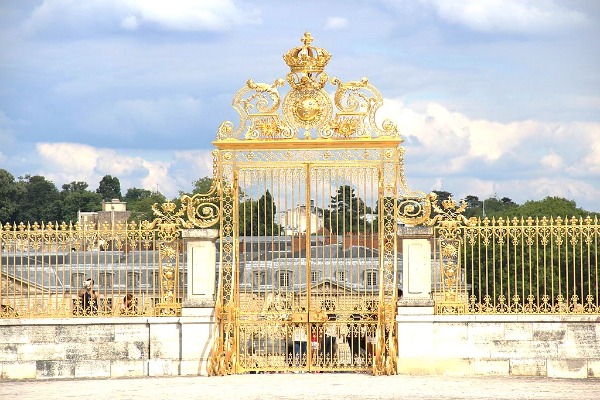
44 269
526 265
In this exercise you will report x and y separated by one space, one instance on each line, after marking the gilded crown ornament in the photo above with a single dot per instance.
307 111
306 58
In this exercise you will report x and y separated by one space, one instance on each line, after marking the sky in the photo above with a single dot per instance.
492 97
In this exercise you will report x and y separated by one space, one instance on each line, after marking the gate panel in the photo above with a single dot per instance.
271 270
345 265
308 267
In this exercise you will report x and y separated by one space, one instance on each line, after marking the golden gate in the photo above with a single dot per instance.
309 271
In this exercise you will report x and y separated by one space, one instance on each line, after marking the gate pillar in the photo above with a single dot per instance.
416 270
201 265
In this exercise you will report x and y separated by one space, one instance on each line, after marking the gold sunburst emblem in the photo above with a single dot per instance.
307 108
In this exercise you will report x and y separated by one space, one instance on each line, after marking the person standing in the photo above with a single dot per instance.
330 339
88 298
300 350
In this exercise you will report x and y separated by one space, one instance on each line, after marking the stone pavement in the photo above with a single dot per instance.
305 386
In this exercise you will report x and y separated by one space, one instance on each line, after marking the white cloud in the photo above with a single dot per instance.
66 162
192 15
524 160
552 161
444 132
175 15
542 160
590 164
168 171
336 23
200 161
508 16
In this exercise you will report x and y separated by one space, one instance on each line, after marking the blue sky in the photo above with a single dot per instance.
491 97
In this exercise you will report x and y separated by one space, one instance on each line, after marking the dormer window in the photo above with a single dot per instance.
133 280
371 278
314 276
258 278
106 280
284 279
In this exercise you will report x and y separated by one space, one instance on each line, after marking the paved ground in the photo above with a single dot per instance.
304 386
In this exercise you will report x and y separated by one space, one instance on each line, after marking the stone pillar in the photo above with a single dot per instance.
416 271
198 321
201 265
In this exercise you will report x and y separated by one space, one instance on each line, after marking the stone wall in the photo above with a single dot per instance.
530 345
558 346
105 347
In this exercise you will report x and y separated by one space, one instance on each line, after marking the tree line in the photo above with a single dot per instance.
505 207
32 198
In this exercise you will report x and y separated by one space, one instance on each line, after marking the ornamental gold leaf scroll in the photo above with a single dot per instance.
197 211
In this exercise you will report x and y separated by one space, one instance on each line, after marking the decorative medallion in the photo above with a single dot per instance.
307 108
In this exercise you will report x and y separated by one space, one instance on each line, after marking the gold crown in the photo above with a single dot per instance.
307 58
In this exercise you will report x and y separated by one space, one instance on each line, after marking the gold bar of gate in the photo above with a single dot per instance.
307 237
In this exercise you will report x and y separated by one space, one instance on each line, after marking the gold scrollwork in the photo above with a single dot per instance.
414 211
307 105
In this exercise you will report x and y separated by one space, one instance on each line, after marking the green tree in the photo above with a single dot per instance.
258 217
140 201
494 207
442 195
548 207
473 206
109 188
507 201
265 215
75 197
512 267
75 186
40 201
203 185
246 217
345 211
10 196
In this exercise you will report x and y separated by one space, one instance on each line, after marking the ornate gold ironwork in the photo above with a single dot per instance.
448 220
514 266
307 106
294 147
43 268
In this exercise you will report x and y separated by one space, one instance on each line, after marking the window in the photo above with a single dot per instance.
371 278
133 280
341 276
314 276
258 278
106 280
77 280
284 279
